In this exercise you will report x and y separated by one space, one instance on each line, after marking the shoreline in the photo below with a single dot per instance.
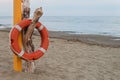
91 39
101 40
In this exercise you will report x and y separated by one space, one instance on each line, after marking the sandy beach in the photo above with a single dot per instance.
69 57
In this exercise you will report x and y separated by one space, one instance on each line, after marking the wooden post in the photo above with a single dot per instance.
27 33
29 65
17 17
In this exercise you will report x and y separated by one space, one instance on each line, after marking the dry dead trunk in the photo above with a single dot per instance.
28 41
27 33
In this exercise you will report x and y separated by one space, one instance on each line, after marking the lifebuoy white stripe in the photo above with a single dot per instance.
42 49
18 27
21 53
41 27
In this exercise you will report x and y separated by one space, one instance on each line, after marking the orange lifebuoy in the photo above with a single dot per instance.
15 45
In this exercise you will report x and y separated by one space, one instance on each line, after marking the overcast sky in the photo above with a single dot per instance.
68 7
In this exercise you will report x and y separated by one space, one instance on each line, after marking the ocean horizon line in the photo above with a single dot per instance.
73 16
76 24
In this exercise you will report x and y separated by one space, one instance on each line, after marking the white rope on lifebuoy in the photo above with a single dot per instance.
21 53
42 49
18 27
41 27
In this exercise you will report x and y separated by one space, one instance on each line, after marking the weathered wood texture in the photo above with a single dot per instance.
27 33
30 66
37 14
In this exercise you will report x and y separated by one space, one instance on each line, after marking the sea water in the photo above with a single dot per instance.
100 25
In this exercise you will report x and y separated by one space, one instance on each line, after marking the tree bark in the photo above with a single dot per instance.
27 39
26 15
27 33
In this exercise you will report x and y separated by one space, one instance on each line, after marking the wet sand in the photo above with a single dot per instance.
69 57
